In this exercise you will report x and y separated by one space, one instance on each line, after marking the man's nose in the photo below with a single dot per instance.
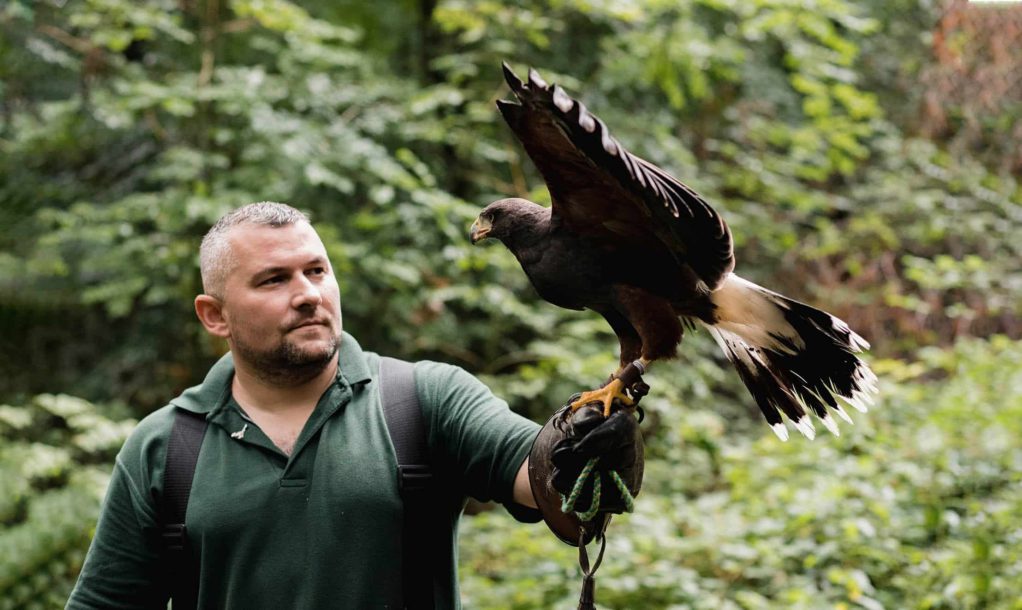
306 294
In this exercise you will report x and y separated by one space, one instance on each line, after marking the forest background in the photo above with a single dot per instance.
866 155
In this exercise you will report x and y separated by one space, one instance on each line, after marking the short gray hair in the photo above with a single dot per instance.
216 260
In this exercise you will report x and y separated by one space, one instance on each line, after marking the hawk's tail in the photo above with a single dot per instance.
793 358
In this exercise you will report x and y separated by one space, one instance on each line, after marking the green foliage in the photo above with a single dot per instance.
55 459
128 127
916 506
163 116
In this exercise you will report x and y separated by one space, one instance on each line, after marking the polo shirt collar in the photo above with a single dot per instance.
215 389
351 362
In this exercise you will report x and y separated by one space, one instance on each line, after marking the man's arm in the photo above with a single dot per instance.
476 434
523 488
122 568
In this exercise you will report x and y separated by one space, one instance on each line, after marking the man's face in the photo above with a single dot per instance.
281 302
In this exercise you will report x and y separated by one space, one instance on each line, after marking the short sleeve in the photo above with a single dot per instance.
122 569
475 433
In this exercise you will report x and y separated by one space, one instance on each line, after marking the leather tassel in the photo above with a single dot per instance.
587 601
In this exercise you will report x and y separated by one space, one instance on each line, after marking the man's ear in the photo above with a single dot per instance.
210 311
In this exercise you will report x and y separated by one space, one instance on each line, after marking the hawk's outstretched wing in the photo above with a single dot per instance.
601 190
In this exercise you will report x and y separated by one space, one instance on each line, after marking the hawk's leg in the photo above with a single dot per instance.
631 349
644 324
620 381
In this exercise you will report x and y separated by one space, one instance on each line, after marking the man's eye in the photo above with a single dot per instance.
317 271
276 279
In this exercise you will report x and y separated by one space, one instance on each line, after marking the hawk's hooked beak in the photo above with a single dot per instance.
480 229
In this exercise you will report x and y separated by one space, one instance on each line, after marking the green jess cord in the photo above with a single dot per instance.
568 503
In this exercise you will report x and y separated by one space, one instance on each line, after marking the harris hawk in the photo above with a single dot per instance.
629 241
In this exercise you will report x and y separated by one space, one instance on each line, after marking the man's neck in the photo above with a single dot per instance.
255 392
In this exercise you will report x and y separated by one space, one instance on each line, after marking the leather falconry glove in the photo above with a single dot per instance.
561 456
611 440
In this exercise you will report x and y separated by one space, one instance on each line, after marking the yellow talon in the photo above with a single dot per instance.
605 395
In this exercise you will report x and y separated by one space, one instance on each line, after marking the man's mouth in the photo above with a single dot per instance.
310 323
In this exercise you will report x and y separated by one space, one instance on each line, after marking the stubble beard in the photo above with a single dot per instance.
287 364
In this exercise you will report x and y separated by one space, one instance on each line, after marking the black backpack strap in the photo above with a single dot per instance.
407 429
182 453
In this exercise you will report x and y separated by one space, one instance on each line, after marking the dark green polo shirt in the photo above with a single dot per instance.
318 529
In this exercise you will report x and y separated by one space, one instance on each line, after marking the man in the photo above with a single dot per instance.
295 500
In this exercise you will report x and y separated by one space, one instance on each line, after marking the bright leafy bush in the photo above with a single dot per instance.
916 506
55 459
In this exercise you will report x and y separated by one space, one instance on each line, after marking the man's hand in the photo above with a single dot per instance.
613 440
568 442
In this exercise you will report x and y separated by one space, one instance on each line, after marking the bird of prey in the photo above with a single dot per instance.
626 239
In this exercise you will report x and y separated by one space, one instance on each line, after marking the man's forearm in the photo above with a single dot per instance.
523 489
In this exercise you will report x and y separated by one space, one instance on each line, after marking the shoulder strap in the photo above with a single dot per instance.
404 420
407 428
182 454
